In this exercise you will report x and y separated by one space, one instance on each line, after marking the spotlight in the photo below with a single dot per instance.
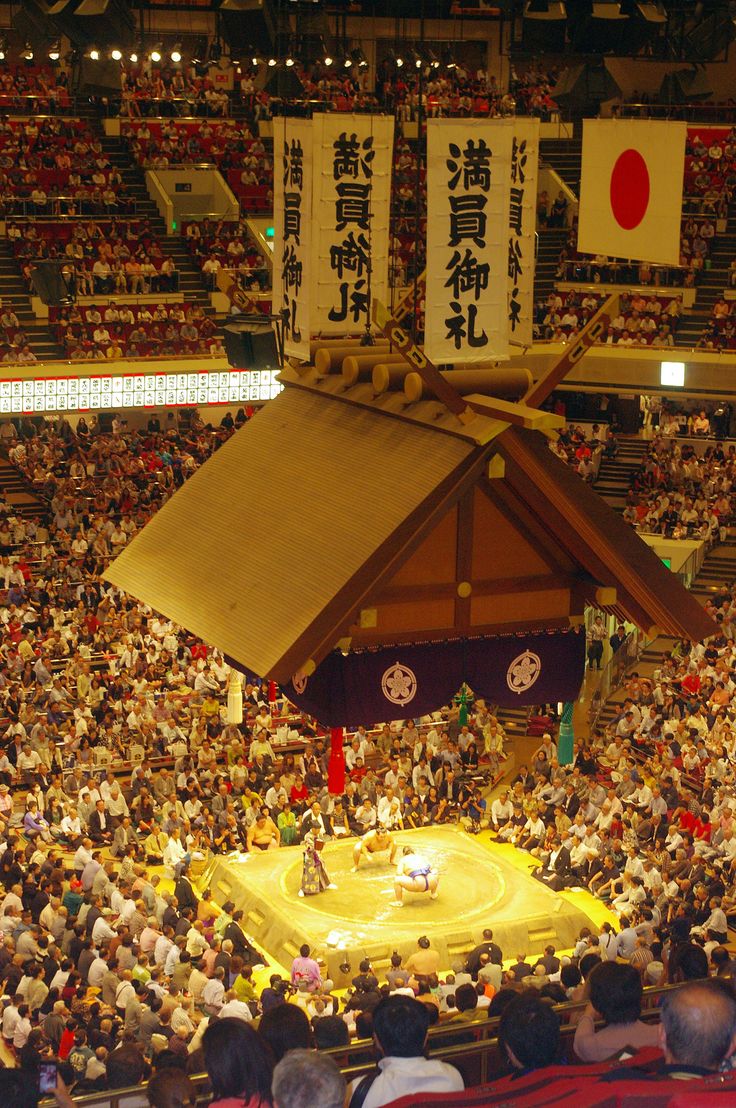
94 53
327 59
358 58
255 61
55 51
133 57
27 52
155 54
271 62
399 61
348 62
116 54
289 62
2 53
176 54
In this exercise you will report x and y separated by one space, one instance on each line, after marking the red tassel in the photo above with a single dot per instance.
336 766
271 691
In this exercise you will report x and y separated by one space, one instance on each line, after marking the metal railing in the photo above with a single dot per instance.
715 113
612 674
58 207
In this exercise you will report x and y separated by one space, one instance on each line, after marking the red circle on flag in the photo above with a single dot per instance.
629 189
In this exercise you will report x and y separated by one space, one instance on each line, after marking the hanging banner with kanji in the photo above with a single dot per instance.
352 199
292 219
522 225
468 182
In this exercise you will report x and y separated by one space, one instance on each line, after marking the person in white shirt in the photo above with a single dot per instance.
501 810
400 1026
102 932
174 852
235 1009
213 994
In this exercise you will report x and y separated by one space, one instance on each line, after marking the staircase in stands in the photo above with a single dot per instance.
18 493
191 282
717 572
13 292
615 474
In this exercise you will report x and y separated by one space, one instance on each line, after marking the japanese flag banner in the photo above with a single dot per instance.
468 183
631 189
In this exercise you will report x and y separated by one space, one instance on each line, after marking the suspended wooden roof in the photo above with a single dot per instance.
390 520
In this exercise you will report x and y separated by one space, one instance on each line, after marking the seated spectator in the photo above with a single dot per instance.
698 1029
238 1064
615 995
529 1032
400 1026
304 1078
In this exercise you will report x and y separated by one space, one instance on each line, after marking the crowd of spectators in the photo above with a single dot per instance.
117 756
14 343
220 244
171 91
680 492
51 166
720 331
600 269
710 169
641 320
29 89
229 144
134 330
585 453
116 256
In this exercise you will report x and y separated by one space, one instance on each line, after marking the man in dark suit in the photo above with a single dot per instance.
241 946
571 803
100 824
558 870
449 789
184 893
493 950
315 820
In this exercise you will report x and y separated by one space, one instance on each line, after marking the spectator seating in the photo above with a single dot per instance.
52 166
133 330
106 255
240 156
710 168
218 245
649 320
37 90
165 91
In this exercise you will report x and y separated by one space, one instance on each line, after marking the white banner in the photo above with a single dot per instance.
522 227
468 178
292 220
352 200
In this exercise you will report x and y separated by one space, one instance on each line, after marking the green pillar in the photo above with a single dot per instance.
565 737
463 699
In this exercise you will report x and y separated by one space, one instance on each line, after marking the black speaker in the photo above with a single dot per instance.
251 346
99 78
49 283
